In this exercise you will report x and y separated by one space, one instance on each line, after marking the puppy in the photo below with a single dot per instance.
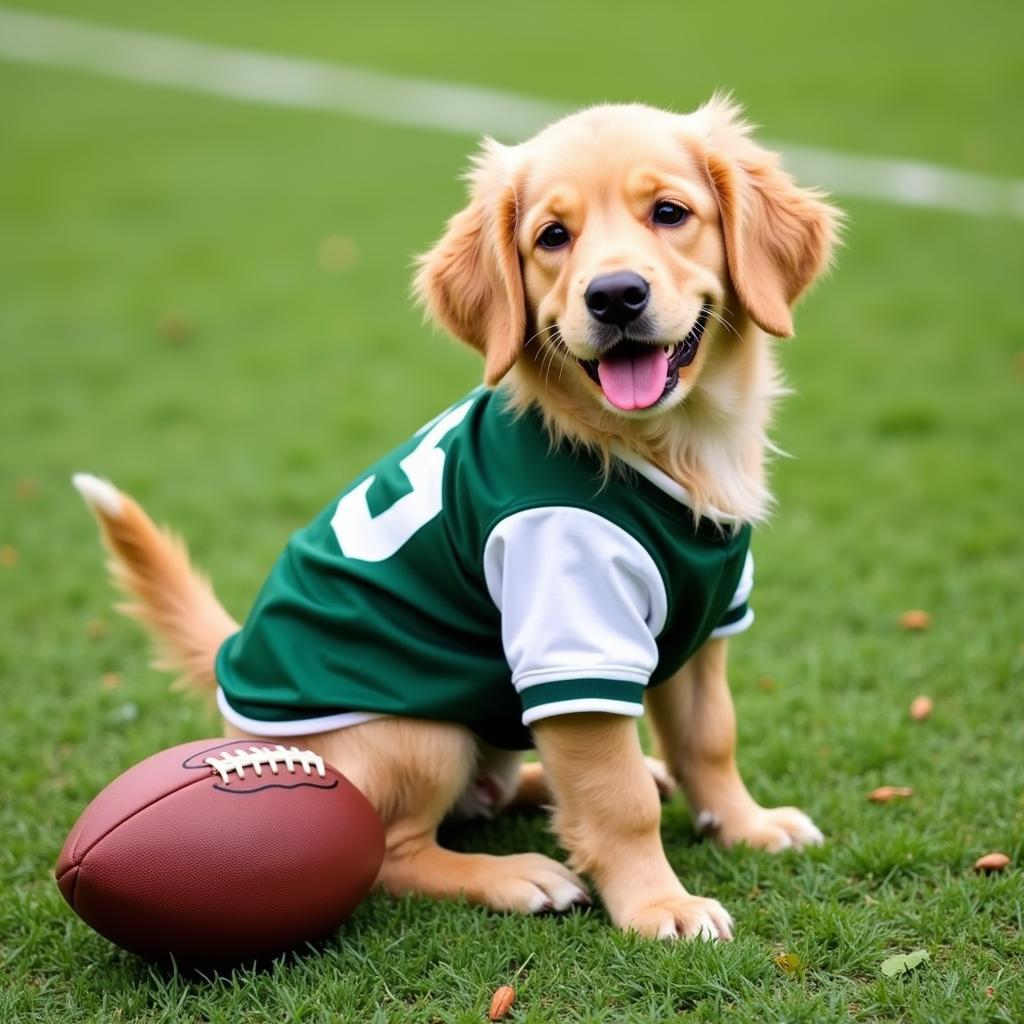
559 551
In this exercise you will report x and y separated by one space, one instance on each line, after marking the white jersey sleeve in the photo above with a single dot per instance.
740 615
582 603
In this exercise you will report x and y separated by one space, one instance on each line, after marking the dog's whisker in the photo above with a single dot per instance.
561 366
545 363
565 358
563 350
537 334
551 351
722 319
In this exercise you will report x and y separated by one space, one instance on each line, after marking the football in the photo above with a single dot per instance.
220 851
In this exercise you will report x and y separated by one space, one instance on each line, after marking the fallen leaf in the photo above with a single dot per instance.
110 680
501 1002
884 794
991 862
176 327
990 991
915 620
903 962
766 683
8 556
921 707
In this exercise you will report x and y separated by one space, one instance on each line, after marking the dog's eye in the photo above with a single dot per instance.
554 236
670 213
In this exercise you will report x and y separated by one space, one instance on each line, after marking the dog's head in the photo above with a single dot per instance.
622 240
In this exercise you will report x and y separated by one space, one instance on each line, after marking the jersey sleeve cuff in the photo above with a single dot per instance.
736 620
571 696
602 673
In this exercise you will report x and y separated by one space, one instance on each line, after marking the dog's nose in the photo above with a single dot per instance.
617 298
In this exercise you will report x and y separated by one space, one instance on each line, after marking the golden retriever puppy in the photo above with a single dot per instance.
558 551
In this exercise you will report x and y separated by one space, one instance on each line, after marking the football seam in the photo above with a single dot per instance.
74 855
77 856
77 868
216 746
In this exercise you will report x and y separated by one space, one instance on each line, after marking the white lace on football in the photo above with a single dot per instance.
271 757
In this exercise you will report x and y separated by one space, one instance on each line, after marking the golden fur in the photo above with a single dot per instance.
752 243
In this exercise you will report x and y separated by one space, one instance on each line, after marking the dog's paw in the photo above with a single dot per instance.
680 917
531 883
662 778
764 828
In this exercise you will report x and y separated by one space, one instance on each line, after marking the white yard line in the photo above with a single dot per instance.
442 106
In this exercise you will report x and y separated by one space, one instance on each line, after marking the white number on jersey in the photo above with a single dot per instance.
374 538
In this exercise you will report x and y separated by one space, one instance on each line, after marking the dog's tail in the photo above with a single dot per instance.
171 599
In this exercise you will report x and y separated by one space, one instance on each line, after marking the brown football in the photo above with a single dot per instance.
220 851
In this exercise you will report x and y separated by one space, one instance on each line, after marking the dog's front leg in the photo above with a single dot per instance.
608 816
695 723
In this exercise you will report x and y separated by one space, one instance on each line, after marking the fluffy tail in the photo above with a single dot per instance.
171 599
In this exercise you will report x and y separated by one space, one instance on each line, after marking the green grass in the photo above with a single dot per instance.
121 203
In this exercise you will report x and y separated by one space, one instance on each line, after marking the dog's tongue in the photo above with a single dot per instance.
634 381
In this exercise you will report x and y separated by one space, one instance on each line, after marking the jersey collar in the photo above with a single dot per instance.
665 483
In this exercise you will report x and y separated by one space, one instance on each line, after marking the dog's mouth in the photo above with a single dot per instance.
638 375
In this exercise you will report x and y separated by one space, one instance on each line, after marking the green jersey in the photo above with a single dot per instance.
479 574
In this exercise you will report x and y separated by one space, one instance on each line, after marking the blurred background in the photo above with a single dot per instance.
206 298
205 255
204 287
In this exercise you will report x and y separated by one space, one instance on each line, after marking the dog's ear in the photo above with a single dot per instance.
471 282
778 237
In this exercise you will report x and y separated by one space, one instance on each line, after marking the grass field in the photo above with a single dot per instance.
127 212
